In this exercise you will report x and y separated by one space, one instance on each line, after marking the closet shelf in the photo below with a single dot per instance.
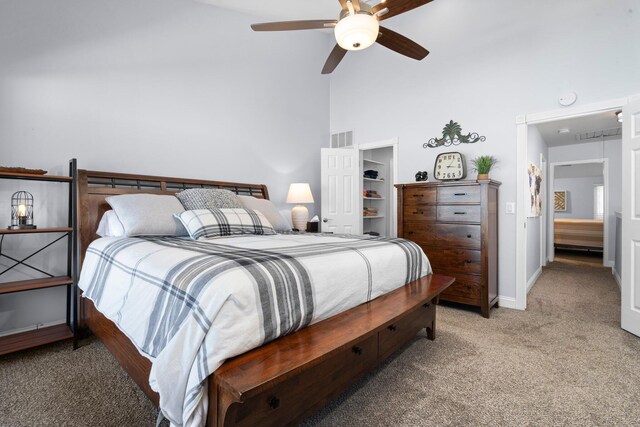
372 217
373 198
371 179
372 162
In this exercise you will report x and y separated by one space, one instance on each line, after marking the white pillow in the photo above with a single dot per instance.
208 223
268 209
148 214
110 225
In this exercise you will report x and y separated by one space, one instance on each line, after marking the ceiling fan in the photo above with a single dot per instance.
357 28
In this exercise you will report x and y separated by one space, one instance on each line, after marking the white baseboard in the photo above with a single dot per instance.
507 302
609 263
32 327
533 279
617 277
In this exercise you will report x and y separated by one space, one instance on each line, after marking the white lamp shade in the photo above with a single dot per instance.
300 193
356 32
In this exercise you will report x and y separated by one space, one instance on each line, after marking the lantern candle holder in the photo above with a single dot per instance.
21 211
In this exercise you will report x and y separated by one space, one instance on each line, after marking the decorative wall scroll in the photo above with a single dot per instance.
452 135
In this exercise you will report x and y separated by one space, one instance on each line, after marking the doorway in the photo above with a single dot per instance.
527 126
580 225
357 189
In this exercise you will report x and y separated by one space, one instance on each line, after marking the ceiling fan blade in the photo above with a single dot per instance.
401 44
343 4
356 5
396 7
334 59
295 25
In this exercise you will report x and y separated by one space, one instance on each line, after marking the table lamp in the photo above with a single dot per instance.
300 193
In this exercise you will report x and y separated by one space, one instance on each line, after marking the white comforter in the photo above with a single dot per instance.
190 305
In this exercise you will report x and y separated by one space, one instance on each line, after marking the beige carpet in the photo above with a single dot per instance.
565 361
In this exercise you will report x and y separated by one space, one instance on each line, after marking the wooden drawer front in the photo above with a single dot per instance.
449 235
459 213
396 335
449 261
466 289
419 213
281 405
459 194
418 196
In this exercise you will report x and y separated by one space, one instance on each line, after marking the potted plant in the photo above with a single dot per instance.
483 164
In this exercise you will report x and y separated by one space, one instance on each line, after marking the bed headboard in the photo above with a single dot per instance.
94 186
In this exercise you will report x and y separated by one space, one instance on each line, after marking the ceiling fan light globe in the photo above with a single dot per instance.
357 32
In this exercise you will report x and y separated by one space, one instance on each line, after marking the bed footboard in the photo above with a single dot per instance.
290 378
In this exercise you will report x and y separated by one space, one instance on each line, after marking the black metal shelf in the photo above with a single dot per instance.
37 337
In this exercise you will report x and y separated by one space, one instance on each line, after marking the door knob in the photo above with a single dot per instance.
325 219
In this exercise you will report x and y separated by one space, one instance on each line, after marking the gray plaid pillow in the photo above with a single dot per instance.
208 198
208 223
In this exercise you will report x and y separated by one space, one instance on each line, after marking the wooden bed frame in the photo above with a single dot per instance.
578 233
284 381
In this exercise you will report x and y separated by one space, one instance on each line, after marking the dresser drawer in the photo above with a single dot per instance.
459 194
449 261
397 334
466 289
419 213
459 213
449 235
419 196
318 384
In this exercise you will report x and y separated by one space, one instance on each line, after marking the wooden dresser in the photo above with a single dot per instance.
456 224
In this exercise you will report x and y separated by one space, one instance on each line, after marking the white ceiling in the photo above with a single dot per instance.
594 122
284 10
579 170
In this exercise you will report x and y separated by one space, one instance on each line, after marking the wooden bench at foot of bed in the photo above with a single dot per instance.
288 379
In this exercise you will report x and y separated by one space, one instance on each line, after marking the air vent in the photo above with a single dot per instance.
599 134
342 140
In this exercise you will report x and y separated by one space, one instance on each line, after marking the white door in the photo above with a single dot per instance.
631 217
340 188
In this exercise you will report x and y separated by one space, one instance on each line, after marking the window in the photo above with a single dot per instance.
598 201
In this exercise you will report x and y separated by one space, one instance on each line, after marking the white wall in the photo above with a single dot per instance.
536 146
611 150
161 87
490 61
579 196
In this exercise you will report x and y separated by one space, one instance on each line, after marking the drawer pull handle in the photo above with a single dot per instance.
274 403
460 213
460 194
418 195
392 328
468 261
468 236
427 305
418 212
409 232
357 350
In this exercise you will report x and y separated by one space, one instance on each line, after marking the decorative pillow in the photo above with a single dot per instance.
148 214
209 223
208 198
110 225
268 209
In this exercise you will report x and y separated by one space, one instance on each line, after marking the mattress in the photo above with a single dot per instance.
190 305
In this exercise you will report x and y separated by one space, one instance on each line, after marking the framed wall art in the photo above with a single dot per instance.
560 201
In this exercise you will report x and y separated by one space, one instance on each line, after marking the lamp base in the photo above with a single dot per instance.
22 227
299 217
